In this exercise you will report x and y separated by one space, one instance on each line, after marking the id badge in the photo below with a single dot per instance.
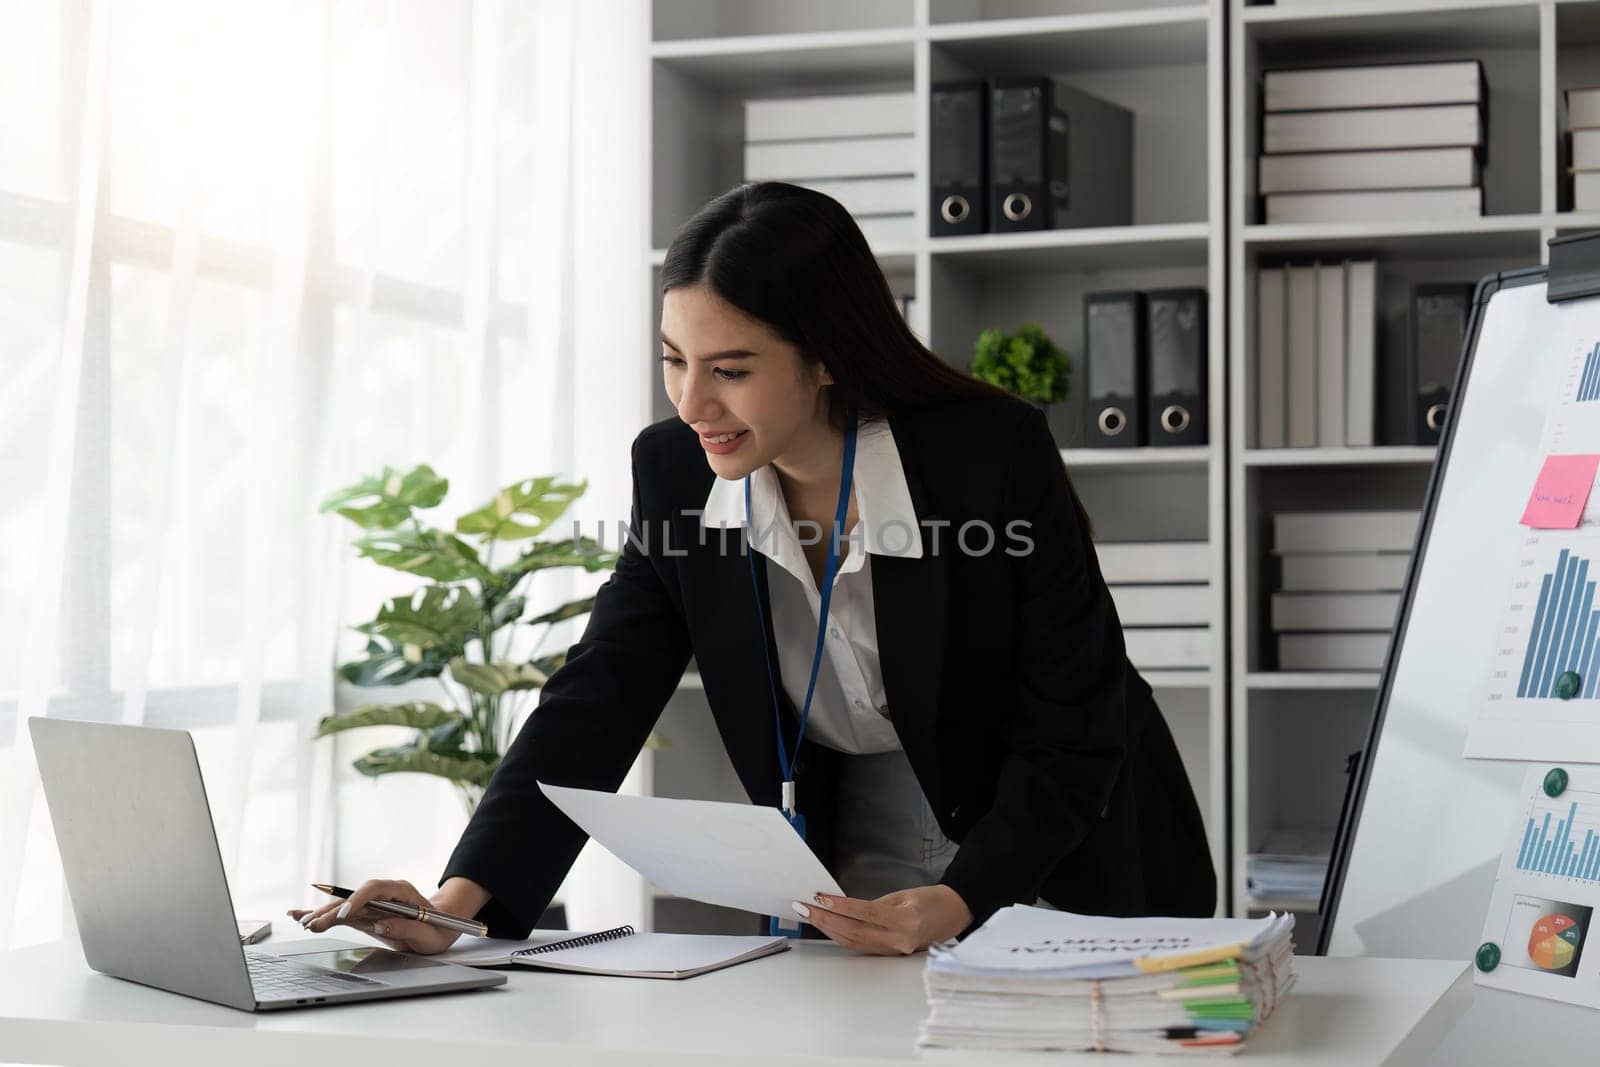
788 925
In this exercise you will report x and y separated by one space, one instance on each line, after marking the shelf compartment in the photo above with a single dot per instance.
1381 28
1105 40
972 293
753 65
1153 64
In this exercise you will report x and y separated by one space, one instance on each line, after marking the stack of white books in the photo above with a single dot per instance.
1343 572
1032 978
1162 591
1316 355
859 148
1382 143
1291 865
1583 126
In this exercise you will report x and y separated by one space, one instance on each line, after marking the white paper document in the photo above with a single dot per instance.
743 856
1020 938
1547 891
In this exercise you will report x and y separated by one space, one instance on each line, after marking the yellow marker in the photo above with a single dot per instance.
1162 964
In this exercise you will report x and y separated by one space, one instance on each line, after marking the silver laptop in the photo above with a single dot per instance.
152 903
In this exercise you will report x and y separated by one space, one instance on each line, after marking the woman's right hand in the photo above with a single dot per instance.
402 935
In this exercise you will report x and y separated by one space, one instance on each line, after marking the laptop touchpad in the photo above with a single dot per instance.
366 961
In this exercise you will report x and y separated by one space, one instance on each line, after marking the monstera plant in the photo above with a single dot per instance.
460 628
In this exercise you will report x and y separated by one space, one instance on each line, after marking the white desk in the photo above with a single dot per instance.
815 1004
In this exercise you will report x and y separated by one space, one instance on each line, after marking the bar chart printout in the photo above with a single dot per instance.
1562 837
1562 636
1589 382
1541 697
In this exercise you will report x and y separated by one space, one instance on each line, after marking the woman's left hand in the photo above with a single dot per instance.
893 925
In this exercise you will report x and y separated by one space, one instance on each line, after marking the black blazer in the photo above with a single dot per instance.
1037 744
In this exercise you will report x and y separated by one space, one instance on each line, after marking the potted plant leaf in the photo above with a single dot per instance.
1026 363
460 627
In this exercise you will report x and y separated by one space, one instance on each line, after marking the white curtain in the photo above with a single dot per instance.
248 253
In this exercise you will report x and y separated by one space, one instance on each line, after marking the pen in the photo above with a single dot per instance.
409 911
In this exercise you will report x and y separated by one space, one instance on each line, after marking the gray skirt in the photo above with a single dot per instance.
888 838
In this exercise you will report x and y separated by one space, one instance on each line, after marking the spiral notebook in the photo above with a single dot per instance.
621 952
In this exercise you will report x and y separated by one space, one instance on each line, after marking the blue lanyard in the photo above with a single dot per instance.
786 763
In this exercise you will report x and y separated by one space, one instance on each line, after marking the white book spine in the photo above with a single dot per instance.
1345 572
1586 191
1162 605
1389 85
1586 149
1389 168
1302 338
1183 648
889 231
1388 127
1344 531
1361 349
864 157
1330 354
1136 562
1389 205
1583 108
820 117
1332 652
871 196
1271 396
1334 611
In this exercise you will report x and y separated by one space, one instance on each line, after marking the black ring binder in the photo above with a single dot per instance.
578 942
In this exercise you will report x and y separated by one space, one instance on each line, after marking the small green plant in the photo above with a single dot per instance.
460 627
1026 363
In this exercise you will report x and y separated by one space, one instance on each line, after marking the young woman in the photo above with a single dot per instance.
946 700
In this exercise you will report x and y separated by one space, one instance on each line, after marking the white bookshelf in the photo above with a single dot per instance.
1353 681
1376 456
1531 51
1164 63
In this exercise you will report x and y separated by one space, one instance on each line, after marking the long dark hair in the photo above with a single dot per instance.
794 259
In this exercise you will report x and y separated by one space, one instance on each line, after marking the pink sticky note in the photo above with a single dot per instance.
1561 492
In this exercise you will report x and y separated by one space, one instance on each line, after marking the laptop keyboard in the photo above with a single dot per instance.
273 978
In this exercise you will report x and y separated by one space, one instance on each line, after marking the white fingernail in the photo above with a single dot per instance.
344 909
801 910
381 929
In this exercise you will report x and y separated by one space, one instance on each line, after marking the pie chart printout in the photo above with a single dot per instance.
1554 943
1544 936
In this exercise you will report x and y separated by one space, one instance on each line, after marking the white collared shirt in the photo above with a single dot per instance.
849 710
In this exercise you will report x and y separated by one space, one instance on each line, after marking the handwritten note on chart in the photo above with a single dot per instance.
1560 494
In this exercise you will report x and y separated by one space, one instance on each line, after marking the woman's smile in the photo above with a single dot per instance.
723 443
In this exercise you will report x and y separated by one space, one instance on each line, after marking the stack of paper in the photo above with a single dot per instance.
859 148
1031 978
1373 143
1583 128
1357 561
1290 866
1163 596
